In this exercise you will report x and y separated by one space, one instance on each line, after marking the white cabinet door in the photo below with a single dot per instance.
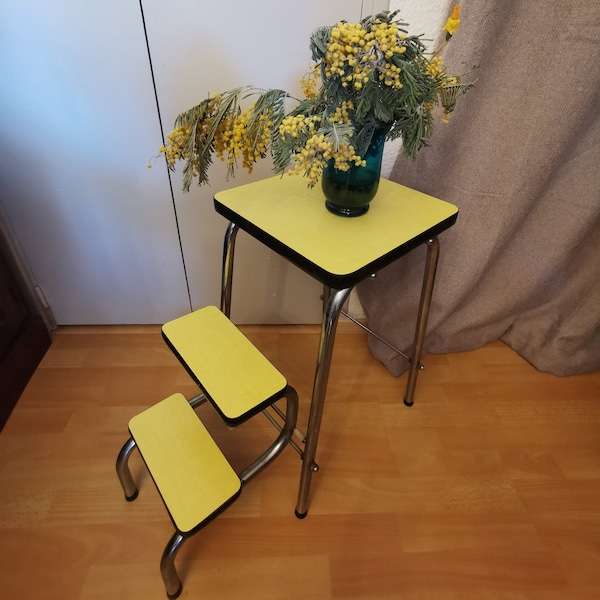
203 47
78 124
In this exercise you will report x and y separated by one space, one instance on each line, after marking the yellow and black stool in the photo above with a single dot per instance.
194 478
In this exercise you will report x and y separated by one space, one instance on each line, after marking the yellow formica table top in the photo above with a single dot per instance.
291 219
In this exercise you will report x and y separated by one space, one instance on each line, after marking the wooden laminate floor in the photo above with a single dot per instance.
488 488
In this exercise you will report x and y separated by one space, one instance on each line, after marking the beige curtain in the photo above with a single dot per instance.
521 159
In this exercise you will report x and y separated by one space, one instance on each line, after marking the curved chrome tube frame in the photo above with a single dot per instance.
282 440
171 580
227 271
124 474
168 571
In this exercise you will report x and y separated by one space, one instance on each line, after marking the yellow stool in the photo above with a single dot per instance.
195 480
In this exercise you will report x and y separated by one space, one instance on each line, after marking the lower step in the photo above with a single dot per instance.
193 477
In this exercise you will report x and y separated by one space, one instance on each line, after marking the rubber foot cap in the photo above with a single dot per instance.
133 497
177 593
301 515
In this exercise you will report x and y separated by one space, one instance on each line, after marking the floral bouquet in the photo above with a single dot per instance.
366 76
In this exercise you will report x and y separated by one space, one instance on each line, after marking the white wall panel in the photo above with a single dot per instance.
204 47
78 123
426 19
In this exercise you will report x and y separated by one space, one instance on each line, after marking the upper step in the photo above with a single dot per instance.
233 374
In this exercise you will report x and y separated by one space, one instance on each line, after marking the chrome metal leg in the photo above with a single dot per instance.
325 297
433 251
333 301
123 472
197 400
227 271
282 440
167 566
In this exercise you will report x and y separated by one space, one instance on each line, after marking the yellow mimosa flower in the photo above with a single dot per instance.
453 22
365 75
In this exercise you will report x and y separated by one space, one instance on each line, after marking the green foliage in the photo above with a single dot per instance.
373 75
318 42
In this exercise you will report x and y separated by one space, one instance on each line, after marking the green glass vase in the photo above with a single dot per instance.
349 193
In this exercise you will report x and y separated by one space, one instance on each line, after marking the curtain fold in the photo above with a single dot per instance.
520 157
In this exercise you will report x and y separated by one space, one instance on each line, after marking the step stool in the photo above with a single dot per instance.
193 477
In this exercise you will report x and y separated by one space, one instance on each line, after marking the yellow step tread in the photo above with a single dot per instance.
231 371
193 477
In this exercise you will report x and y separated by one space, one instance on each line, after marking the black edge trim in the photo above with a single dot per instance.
332 280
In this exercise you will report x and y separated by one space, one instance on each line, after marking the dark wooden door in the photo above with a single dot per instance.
24 337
